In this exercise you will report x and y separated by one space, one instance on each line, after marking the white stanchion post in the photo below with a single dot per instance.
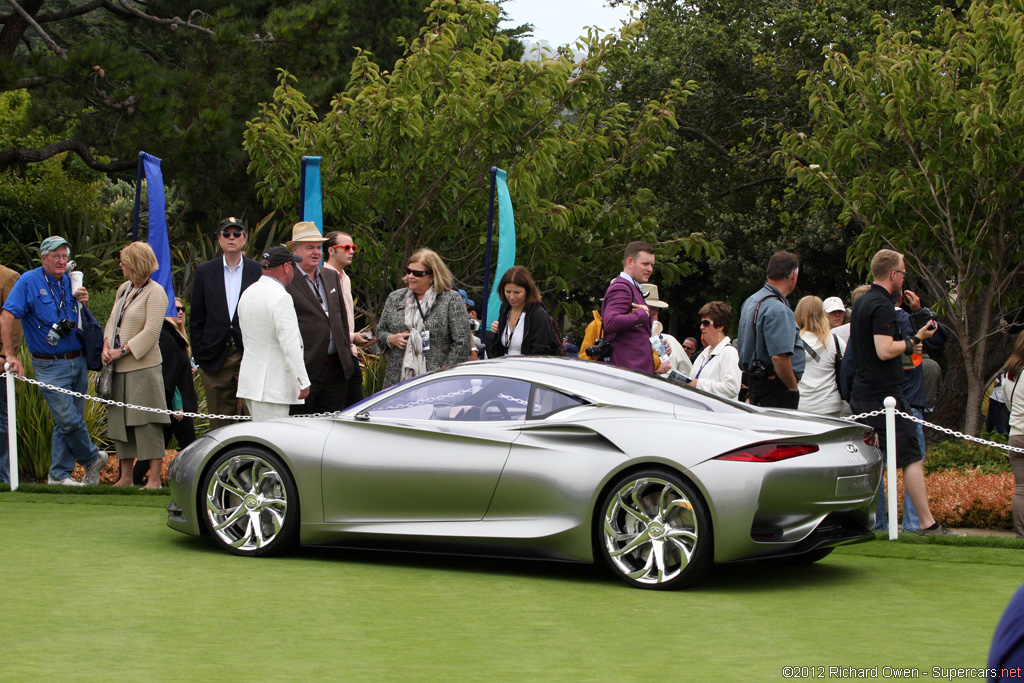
12 428
890 465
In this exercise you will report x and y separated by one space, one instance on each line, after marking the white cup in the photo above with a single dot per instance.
77 277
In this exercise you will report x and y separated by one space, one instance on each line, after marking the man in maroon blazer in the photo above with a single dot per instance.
323 323
627 318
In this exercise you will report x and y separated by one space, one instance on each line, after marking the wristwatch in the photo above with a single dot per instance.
124 351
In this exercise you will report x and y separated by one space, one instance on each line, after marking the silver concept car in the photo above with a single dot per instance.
538 457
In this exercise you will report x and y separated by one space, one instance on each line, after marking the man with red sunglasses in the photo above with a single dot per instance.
341 250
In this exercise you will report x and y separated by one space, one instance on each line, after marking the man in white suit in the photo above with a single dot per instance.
273 373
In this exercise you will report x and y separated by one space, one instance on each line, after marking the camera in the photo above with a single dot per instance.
924 315
474 325
759 371
602 348
59 330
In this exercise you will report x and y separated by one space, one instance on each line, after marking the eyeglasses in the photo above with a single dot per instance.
417 273
706 323
347 247
59 257
689 348
901 272
180 309
232 233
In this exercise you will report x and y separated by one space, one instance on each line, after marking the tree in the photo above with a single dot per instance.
919 145
722 180
111 77
406 154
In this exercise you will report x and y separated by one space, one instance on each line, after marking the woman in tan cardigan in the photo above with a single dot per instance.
130 343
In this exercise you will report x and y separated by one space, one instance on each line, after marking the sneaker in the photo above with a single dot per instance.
938 530
92 472
66 481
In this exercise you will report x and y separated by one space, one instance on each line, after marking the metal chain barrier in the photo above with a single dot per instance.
147 409
944 430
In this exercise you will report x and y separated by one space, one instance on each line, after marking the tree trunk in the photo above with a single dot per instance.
14 29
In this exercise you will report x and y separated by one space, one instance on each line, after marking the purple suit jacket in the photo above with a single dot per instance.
628 330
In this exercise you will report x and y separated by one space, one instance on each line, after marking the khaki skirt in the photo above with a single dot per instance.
143 387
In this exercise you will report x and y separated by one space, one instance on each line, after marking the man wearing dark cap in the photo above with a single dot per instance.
216 337
43 300
273 373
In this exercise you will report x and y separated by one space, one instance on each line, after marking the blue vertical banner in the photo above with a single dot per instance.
311 205
149 169
506 243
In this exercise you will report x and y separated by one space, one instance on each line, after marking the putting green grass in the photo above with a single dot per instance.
93 589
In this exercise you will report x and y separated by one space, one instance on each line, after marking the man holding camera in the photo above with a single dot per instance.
42 299
771 353
876 347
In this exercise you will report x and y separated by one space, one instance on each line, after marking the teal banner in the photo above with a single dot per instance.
311 206
506 243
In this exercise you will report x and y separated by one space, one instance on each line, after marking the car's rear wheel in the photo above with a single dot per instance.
251 503
655 531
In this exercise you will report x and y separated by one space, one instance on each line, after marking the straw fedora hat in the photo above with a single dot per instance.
651 295
305 231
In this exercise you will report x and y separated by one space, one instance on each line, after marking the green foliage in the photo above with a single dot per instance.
915 142
35 426
957 454
406 155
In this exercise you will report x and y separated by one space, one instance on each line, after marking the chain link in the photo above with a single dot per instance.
453 394
944 430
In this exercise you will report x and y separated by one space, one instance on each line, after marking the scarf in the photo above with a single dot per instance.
413 362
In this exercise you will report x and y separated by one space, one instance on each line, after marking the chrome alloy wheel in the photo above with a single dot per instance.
650 530
246 502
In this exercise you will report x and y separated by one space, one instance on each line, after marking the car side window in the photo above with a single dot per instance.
457 399
547 402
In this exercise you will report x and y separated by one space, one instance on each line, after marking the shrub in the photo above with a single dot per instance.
971 498
957 454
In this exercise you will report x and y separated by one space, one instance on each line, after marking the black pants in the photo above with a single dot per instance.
908 448
327 391
772 393
355 385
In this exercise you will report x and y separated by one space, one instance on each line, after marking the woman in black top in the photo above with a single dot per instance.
523 327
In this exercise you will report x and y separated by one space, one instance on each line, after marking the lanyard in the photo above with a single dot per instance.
59 303
423 315
705 364
124 307
509 331
315 285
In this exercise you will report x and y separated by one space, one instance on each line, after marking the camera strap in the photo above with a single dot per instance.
125 303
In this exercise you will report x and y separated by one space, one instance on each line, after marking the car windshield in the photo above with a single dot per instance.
462 399
648 386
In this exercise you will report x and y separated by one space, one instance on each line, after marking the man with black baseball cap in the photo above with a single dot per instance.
216 337
273 373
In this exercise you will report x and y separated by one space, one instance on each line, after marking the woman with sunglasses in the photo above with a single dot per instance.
716 369
424 325
131 343
819 388
523 327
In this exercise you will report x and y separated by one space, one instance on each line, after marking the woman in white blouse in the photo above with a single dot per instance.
819 391
717 369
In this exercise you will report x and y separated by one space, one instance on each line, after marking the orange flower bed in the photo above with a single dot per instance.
968 498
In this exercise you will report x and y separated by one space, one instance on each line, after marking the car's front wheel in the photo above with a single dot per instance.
251 503
655 531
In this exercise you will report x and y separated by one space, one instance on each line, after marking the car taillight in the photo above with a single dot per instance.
769 452
871 439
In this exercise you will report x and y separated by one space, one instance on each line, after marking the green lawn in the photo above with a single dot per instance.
98 588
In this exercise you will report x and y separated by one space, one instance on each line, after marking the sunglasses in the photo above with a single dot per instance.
706 323
232 233
180 309
347 247
417 273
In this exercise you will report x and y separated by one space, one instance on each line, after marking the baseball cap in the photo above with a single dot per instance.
833 304
278 256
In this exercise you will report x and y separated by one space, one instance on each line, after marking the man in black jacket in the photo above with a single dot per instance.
216 337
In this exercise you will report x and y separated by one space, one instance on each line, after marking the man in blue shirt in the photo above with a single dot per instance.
768 339
42 299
